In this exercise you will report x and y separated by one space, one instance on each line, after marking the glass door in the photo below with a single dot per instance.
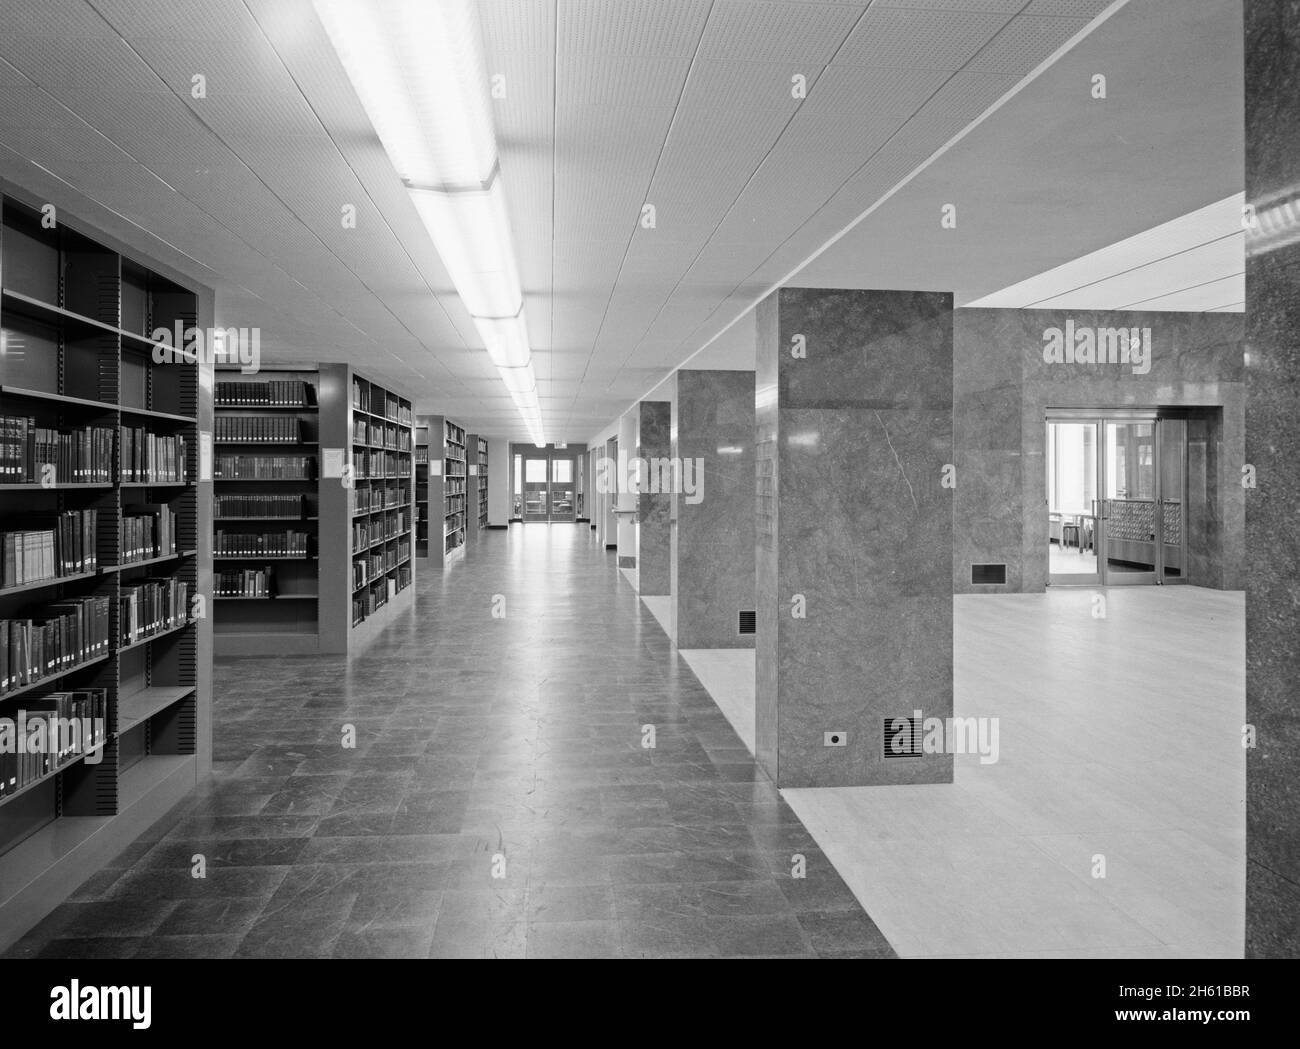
1116 498
536 494
1131 536
1073 469
562 490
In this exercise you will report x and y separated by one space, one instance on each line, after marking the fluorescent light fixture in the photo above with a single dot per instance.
417 67
472 234
506 340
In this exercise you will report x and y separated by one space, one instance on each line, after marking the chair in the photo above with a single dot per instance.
1070 529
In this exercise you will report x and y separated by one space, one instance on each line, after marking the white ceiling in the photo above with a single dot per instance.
610 104
1196 262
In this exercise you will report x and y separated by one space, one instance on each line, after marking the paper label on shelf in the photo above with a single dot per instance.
205 455
435 468
331 462
473 469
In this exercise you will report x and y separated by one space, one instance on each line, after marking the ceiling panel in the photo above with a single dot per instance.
801 36
919 39
609 104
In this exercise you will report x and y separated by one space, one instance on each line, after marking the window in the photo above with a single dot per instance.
562 471
535 471
519 475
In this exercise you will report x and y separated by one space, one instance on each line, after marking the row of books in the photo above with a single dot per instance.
360 573
421 455
273 393
66 634
455 502
38 554
54 730
368 500
453 487
265 468
290 507
381 435
148 531
378 464
453 433
152 606
31 454
261 544
454 468
152 458
258 429
246 582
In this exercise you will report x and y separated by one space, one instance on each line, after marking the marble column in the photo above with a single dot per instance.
1272 507
713 538
854 532
654 503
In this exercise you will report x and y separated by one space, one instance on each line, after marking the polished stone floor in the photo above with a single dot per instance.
498 802
1112 824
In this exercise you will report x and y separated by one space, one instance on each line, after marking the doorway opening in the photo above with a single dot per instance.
1116 497
546 486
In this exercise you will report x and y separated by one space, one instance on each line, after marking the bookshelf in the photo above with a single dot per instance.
266 512
105 590
421 491
449 498
456 493
379 496
482 482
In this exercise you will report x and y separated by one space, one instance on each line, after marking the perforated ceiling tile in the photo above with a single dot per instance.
887 92
766 31
665 28
517 26
70 146
244 63
1025 43
816 132
718 86
1002 6
35 108
192 19
80 63
608 139
10 76
63 21
267 117
619 80
155 129
892 37
1069 8
968 94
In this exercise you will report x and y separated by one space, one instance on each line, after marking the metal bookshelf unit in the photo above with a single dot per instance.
381 504
266 512
106 589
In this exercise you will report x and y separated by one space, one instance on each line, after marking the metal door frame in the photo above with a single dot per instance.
1099 418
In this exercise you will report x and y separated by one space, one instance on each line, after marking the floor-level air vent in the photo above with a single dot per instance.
995 574
902 738
747 623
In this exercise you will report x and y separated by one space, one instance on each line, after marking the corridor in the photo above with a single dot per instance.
498 800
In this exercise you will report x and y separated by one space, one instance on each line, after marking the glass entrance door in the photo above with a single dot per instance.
1116 499
562 490
1131 517
536 489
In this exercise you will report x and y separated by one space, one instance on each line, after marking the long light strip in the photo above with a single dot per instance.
417 67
